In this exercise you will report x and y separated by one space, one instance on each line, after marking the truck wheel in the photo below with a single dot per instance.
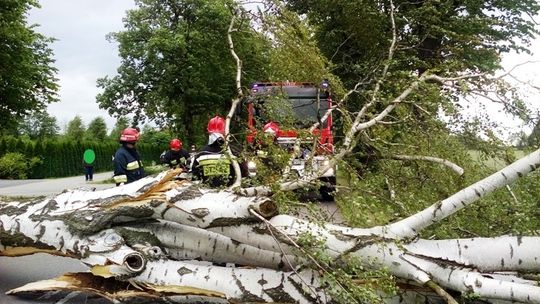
327 188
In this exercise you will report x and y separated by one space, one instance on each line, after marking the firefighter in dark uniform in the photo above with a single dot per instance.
176 157
210 164
127 162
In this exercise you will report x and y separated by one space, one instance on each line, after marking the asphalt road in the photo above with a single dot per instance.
15 272
36 187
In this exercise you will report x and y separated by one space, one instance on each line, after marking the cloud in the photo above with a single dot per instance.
81 51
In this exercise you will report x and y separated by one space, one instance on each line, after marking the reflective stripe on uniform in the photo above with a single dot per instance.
214 164
204 162
120 178
213 156
132 165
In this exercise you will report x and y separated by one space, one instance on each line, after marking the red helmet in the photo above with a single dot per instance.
216 125
129 135
271 128
175 144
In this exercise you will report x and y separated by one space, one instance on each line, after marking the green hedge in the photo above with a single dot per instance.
61 158
14 165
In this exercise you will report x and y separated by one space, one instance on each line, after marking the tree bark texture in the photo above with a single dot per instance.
172 239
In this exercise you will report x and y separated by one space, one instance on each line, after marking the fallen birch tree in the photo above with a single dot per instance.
158 237
175 241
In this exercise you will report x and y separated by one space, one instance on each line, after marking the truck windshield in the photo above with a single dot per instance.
307 111
291 107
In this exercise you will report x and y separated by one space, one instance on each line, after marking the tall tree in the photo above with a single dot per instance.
39 125
27 76
176 68
121 123
97 129
155 137
75 129
445 37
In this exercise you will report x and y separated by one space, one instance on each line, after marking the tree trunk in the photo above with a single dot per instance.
169 238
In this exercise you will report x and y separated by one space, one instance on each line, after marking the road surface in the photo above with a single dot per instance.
36 187
15 272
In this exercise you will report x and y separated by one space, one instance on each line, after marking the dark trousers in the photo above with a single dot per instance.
89 172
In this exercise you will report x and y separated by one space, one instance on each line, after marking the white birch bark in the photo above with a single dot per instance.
438 160
235 285
422 260
466 280
412 225
207 208
159 198
506 253
235 101
183 242
26 230
225 228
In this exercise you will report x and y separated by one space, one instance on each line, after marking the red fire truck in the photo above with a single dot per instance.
301 104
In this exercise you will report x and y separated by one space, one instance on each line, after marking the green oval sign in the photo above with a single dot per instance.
89 156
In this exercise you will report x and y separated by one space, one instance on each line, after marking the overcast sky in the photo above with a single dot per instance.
81 51
83 54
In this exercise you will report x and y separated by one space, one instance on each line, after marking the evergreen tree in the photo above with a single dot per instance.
75 129
121 123
2 146
39 170
97 129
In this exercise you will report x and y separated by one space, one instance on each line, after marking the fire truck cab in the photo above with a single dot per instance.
296 107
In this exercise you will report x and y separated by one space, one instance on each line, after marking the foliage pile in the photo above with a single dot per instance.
386 190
